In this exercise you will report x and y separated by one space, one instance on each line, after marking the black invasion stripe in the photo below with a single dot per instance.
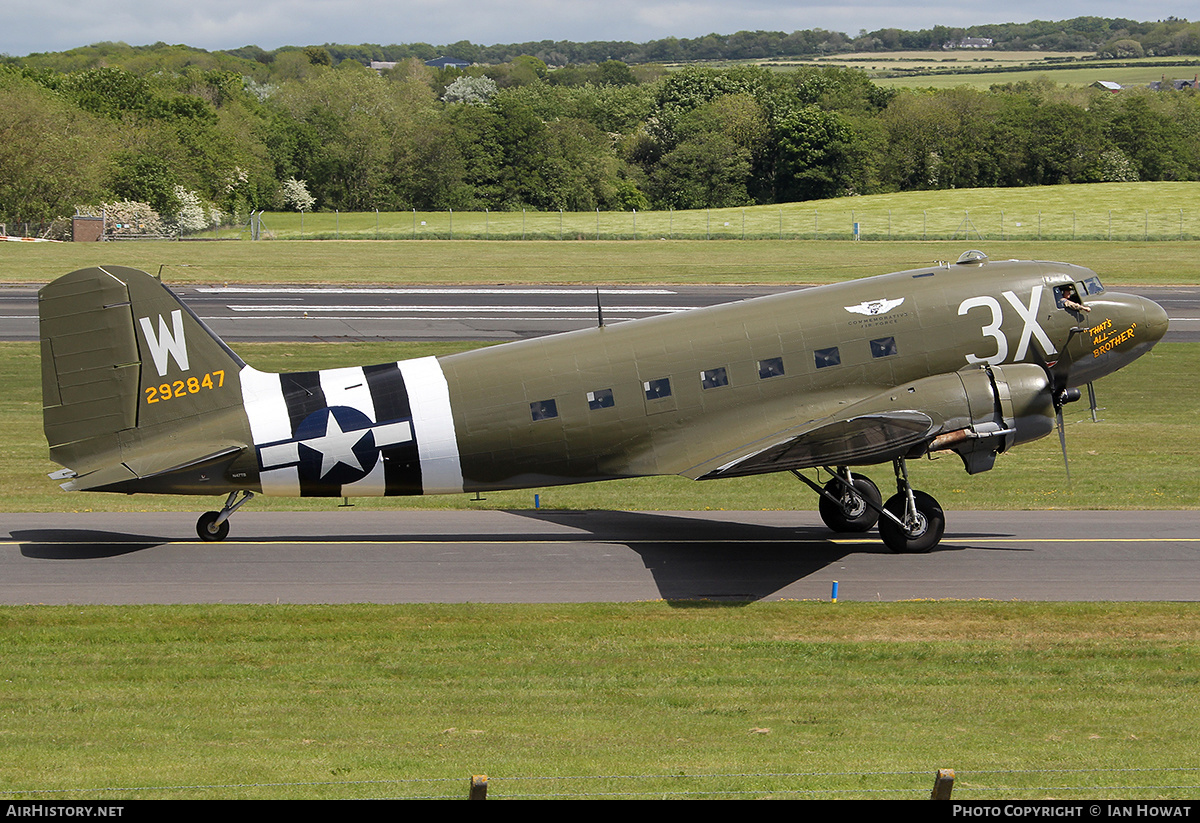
303 394
401 463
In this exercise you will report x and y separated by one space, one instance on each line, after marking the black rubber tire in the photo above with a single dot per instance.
929 533
208 530
860 517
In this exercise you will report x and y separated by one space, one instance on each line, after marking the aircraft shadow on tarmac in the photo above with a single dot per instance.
701 561
81 544
694 561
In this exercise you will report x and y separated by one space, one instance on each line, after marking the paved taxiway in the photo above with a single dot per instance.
347 556
334 314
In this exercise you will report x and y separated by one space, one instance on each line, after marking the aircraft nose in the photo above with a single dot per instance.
1155 319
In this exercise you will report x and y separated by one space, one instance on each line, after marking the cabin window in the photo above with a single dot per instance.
600 399
656 389
712 378
828 357
543 410
770 368
883 347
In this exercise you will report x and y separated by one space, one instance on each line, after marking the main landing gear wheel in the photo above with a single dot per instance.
853 509
918 531
209 529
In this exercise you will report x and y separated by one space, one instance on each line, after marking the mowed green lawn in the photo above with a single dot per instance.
1074 223
650 700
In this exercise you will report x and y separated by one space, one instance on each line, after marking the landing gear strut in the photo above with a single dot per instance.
910 521
848 503
913 522
214 526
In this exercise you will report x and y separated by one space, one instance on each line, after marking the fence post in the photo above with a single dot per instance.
478 787
943 784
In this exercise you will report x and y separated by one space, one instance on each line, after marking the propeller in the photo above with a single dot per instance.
1061 396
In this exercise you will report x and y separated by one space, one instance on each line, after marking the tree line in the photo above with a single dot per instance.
1102 36
514 135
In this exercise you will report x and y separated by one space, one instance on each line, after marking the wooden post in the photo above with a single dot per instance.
478 787
943 784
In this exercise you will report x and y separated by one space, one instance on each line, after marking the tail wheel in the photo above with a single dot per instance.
920 533
209 529
854 510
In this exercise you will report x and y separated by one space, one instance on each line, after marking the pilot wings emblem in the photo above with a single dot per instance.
873 307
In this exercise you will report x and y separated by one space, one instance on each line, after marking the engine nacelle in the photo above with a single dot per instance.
993 409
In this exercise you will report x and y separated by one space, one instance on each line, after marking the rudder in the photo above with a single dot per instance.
133 383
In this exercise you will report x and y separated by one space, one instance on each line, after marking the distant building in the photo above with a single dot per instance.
448 62
1177 85
440 63
970 43
1107 85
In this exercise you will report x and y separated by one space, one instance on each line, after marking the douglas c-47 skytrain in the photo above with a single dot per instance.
973 357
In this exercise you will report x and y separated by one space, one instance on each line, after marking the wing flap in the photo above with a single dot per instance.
858 440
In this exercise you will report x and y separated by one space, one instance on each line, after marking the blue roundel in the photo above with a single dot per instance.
336 446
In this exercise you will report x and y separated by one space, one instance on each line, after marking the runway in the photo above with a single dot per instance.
338 314
349 556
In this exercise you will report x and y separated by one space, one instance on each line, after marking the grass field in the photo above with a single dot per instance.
1102 211
1073 222
986 67
782 700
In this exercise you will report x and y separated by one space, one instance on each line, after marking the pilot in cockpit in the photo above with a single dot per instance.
1068 298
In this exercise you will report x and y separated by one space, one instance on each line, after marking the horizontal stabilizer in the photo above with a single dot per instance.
188 477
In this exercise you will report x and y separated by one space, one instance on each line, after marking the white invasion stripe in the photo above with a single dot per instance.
348 387
297 309
262 398
433 425
317 290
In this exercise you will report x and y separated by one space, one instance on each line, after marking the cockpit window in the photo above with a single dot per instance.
1067 297
1092 286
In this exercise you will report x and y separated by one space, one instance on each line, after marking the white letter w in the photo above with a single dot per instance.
166 342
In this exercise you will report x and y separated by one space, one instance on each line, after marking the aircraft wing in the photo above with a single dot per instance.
857 439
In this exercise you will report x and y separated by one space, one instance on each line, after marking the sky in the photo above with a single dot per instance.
58 25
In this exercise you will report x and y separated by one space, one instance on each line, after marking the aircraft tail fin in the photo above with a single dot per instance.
133 383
